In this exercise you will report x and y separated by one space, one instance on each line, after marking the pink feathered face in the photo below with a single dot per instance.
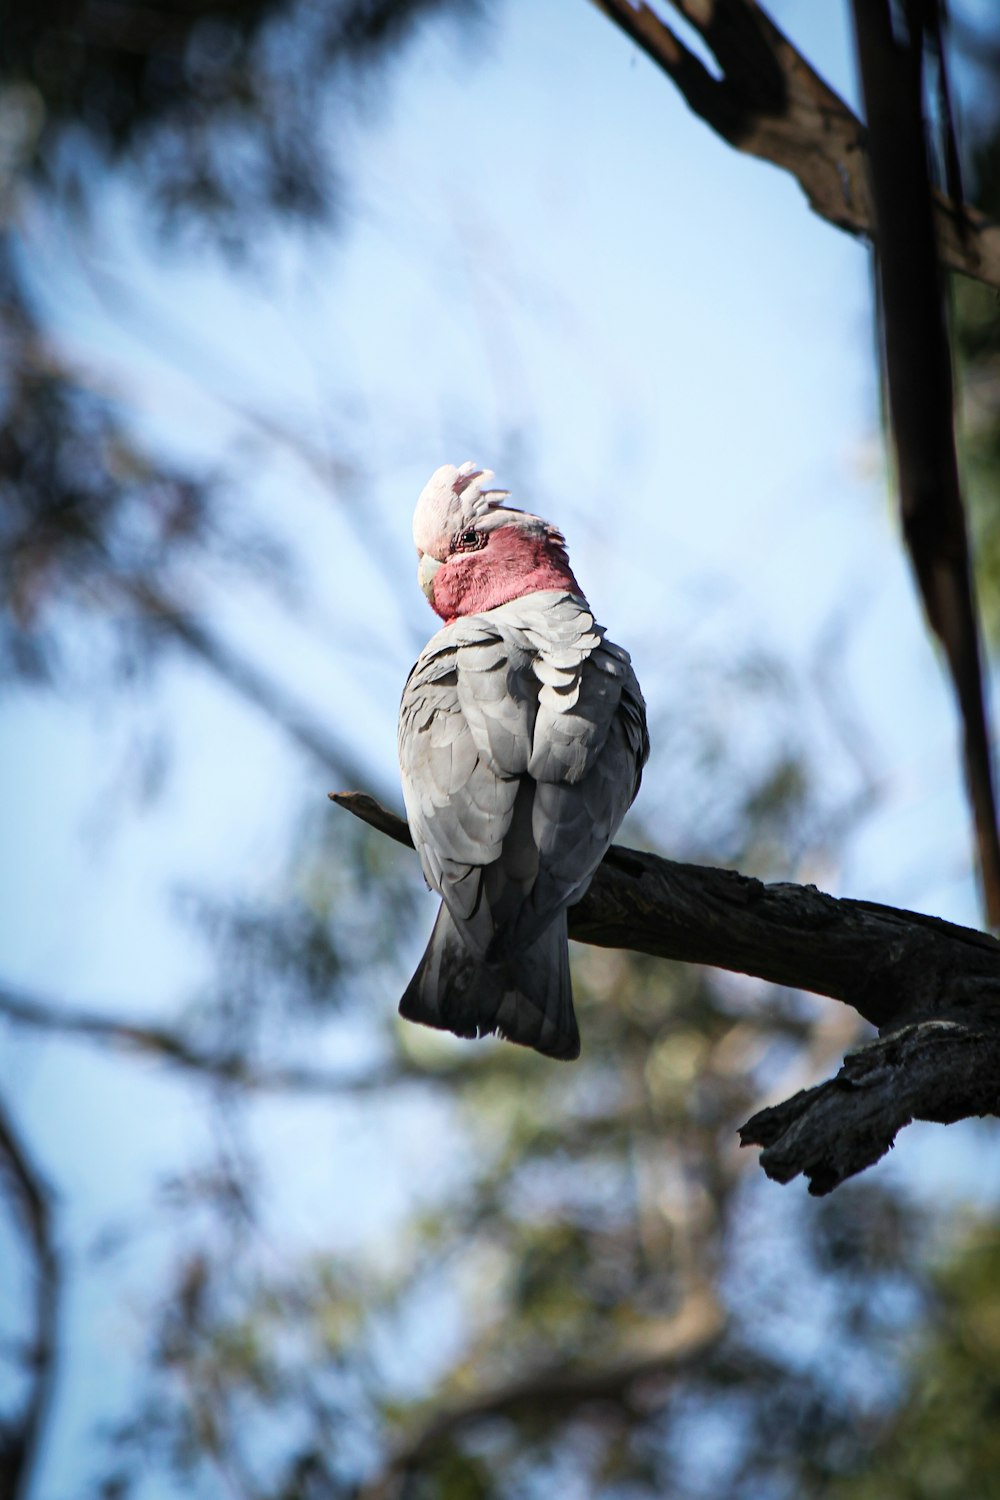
477 553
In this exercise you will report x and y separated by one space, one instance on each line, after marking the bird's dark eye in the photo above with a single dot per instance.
468 541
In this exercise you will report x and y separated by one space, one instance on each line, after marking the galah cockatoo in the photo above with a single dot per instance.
522 738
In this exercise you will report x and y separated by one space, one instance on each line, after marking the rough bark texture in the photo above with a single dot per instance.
934 1070
931 987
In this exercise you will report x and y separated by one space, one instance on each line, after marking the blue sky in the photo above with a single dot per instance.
546 263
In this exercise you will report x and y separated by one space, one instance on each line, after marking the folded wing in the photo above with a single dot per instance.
522 740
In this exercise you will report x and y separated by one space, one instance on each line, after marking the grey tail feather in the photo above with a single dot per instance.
527 998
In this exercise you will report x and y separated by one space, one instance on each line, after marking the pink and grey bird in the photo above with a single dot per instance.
522 738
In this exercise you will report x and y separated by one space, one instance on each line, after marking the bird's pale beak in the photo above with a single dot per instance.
425 574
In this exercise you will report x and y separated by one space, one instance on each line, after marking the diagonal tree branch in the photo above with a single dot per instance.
32 1203
169 1046
898 969
920 391
245 678
771 104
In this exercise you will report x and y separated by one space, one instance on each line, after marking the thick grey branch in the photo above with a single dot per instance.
892 966
771 104
896 968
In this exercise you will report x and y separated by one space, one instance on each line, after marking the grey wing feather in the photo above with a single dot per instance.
464 742
575 817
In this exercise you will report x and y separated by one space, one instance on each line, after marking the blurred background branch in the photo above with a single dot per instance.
665 1351
29 1202
168 1045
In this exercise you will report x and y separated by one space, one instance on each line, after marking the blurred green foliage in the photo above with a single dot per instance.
943 1442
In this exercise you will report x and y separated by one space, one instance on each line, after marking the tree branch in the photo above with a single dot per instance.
19 1439
171 1047
771 104
934 1070
896 968
918 379
245 678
